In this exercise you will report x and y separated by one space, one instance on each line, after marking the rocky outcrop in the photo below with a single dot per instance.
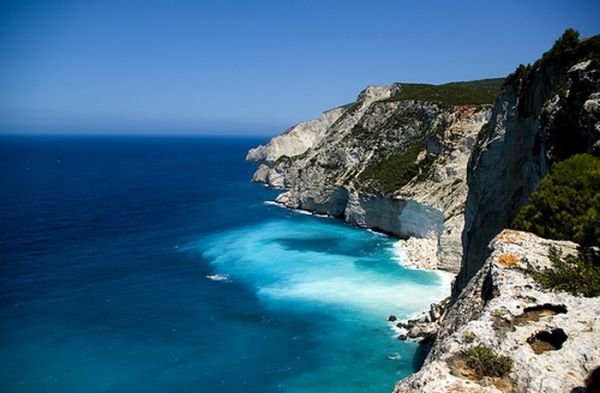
545 113
425 327
551 337
392 164
297 139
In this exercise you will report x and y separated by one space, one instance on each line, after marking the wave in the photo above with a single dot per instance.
299 211
218 277
286 265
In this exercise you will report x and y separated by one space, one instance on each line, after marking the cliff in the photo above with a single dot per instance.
297 139
395 161
545 113
551 338
447 172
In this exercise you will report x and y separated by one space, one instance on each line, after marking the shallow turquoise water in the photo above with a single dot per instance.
154 265
347 281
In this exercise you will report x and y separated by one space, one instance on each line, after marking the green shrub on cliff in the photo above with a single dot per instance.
566 204
482 91
391 174
574 274
568 49
486 363
565 49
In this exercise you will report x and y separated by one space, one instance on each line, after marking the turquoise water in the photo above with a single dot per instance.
154 265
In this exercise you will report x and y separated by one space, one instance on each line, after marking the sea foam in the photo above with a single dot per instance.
285 263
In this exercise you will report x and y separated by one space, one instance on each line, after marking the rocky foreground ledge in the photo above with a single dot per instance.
552 339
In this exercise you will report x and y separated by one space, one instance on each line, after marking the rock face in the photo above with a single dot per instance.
297 139
389 163
545 113
552 338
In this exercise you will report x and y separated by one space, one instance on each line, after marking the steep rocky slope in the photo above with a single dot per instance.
395 160
552 338
297 139
423 162
545 113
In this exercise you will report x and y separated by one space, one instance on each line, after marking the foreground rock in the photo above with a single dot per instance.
552 338
424 328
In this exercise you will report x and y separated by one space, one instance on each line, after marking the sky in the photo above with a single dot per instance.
249 67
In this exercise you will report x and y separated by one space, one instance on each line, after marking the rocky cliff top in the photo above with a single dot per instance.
552 338
297 139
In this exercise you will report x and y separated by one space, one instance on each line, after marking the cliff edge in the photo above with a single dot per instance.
550 338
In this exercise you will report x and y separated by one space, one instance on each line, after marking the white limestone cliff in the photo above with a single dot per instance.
327 177
297 139
542 116
502 307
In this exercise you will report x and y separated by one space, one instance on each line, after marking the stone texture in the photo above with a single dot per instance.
297 139
491 310
546 115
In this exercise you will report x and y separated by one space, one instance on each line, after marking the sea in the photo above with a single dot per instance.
153 264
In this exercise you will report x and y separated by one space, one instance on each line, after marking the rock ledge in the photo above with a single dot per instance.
552 338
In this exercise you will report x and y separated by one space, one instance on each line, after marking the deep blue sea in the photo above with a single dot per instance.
153 264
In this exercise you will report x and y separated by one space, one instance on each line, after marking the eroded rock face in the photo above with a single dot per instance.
334 175
297 139
543 115
552 338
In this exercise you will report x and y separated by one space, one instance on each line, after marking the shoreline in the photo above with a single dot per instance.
398 251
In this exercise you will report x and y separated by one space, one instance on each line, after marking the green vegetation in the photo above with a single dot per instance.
564 50
519 73
394 172
568 49
574 274
566 204
482 91
408 116
485 362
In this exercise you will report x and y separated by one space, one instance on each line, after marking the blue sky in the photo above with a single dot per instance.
249 67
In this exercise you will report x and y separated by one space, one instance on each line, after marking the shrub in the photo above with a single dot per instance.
566 204
568 49
520 73
574 274
482 91
394 172
485 362
564 49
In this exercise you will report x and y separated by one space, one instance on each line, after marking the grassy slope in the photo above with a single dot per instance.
482 91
